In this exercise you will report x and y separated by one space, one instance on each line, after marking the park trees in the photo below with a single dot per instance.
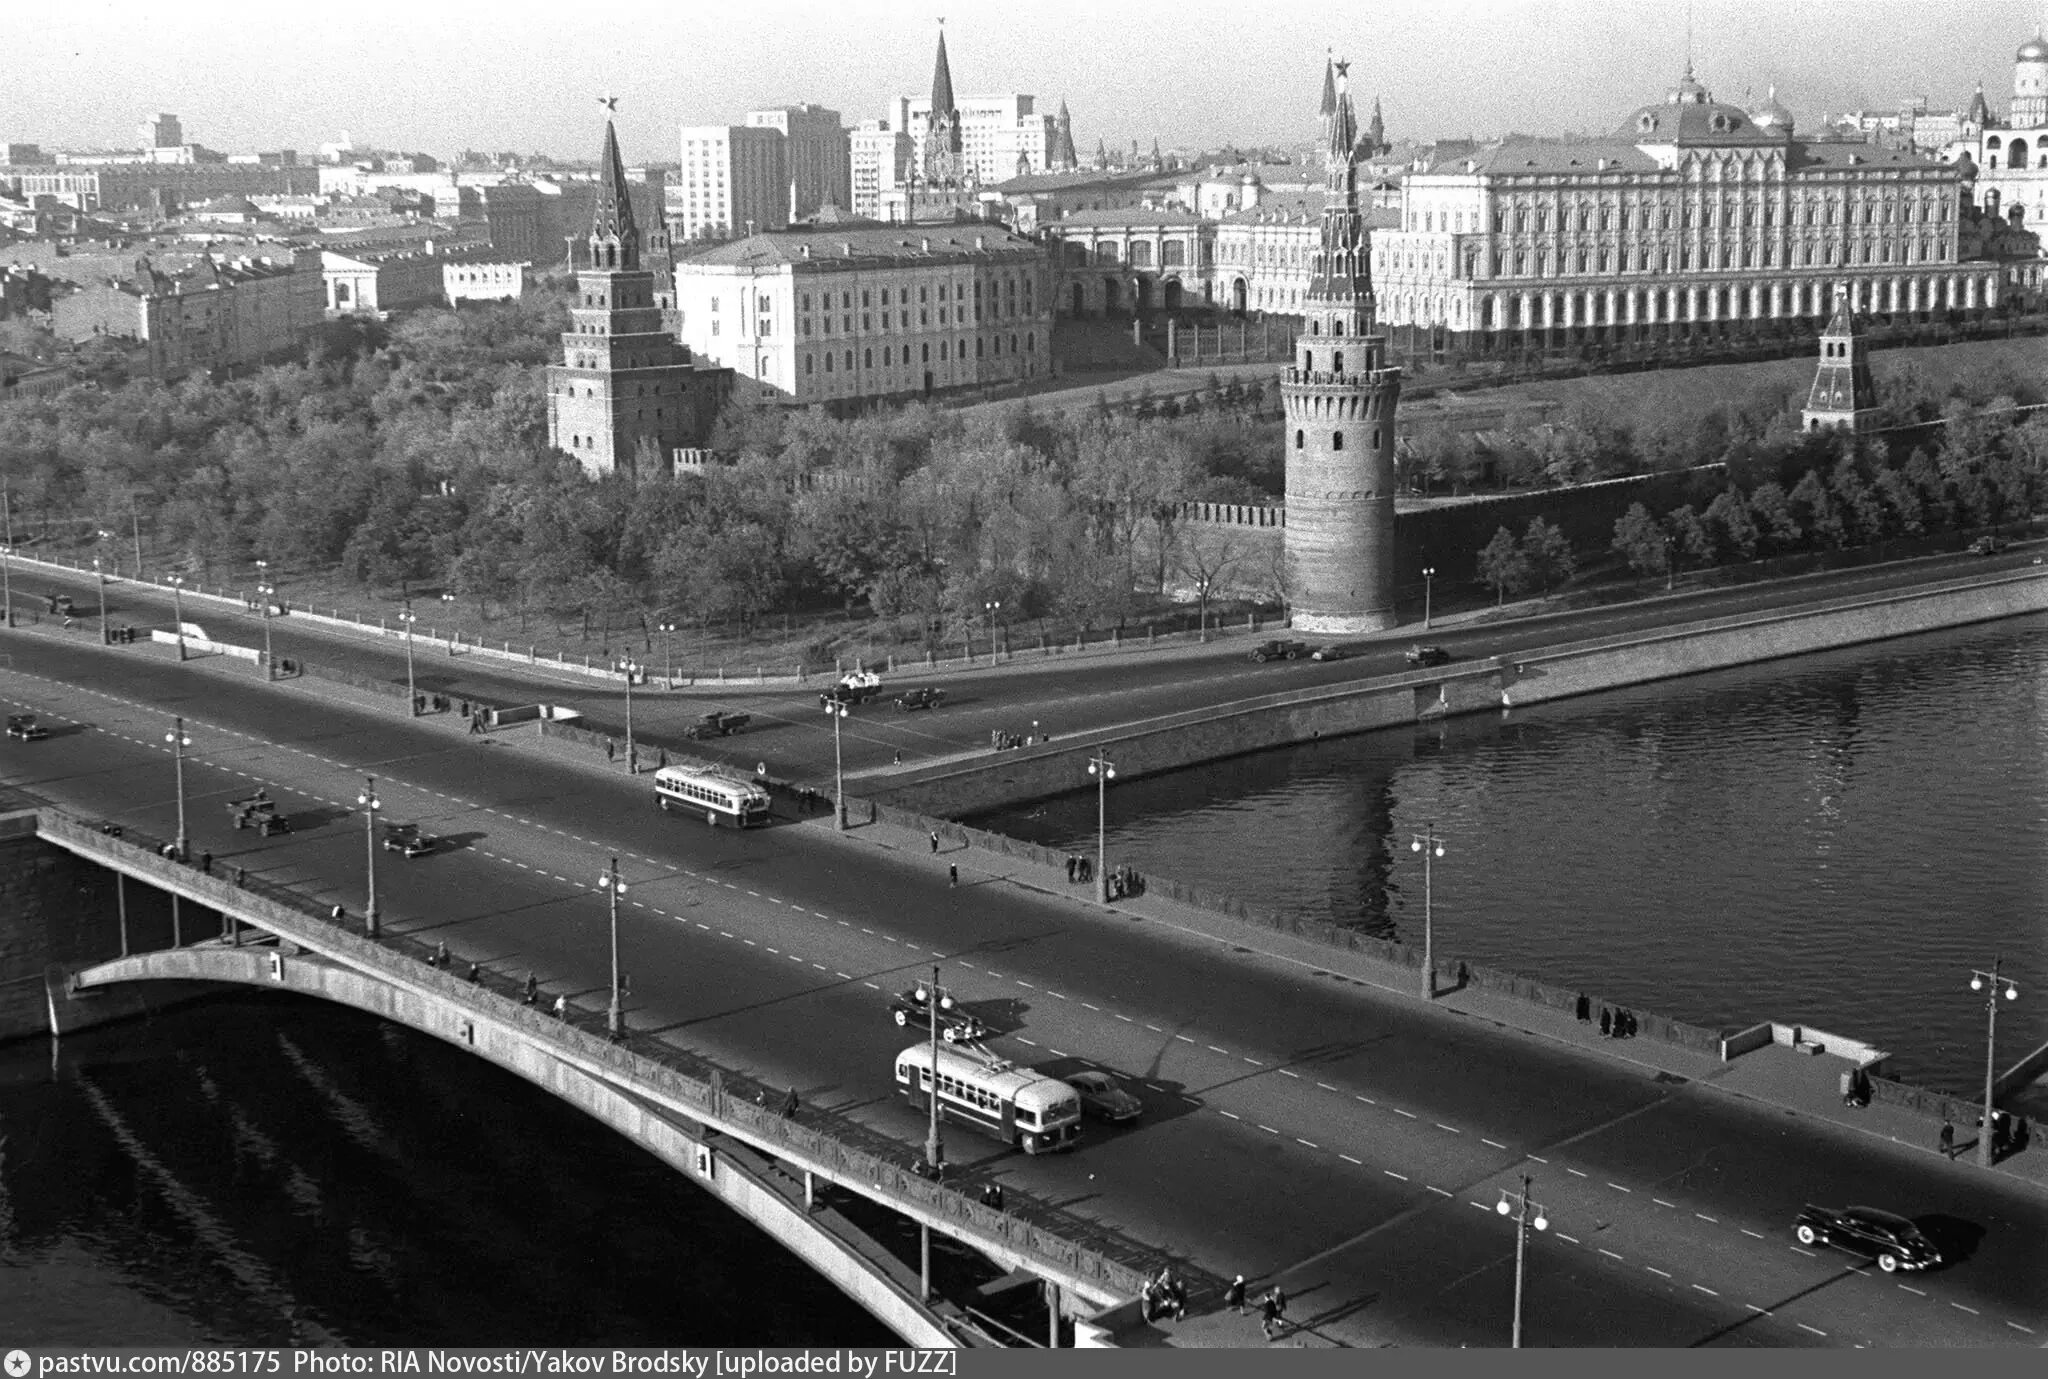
1503 566
1639 541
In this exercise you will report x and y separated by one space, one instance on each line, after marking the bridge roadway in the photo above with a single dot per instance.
1304 1127
1063 696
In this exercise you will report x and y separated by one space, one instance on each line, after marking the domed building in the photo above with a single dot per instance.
2004 166
1694 219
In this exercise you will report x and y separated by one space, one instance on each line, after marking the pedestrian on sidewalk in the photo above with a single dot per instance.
935 842
899 756
441 955
789 1105
953 875
532 988
1269 1313
476 974
1606 1022
241 876
1233 1296
663 761
206 863
611 751
561 1007
1948 1141
1070 868
476 726
1585 1009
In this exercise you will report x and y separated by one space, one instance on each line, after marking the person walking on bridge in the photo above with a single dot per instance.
1948 1141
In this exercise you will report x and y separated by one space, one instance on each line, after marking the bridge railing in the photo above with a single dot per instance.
846 1151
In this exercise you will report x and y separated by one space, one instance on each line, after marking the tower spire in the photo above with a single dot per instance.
614 235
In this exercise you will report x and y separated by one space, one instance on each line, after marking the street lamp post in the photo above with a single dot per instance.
991 608
668 659
1992 985
412 700
632 760
1518 1205
449 600
1104 771
7 580
1428 584
178 610
615 1019
371 804
179 742
934 1149
1670 562
1431 847
99 572
266 591
836 712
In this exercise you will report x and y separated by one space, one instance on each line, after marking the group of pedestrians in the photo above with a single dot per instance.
1272 1305
1004 741
1614 1024
1080 867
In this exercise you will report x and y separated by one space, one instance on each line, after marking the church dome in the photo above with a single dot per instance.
2034 49
1772 115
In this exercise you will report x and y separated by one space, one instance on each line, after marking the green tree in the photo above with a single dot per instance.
1814 509
1902 502
1503 565
1691 542
1728 519
1639 541
1548 553
1863 516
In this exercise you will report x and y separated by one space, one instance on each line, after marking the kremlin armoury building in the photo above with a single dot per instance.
1695 215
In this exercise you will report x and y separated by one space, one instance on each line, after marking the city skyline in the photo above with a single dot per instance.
463 75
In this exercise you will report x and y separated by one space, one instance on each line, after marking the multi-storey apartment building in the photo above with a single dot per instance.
817 151
1695 217
220 315
845 315
881 162
734 179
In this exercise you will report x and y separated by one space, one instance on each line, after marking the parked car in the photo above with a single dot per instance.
1986 545
1328 653
409 840
956 1025
25 727
925 698
717 723
1279 651
1893 1241
1428 656
1103 1098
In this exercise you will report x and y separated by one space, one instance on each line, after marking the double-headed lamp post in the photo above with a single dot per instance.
448 605
668 648
1526 1214
412 701
1431 847
1993 986
99 570
266 591
1428 587
837 712
615 1019
632 670
934 1148
991 608
1104 771
7 581
178 610
371 804
179 742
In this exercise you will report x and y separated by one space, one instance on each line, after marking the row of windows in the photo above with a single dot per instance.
1336 437
983 346
689 789
1927 208
1688 258
1008 286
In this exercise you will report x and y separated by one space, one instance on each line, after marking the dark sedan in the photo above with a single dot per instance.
1893 1241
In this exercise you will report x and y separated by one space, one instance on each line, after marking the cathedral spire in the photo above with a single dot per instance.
1329 106
614 235
942 79
1376 132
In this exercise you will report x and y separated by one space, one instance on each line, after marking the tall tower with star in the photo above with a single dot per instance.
625 395
1340 398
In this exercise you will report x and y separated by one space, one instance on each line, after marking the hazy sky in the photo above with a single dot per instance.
442 75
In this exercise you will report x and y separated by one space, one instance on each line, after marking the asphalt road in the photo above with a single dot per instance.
1061 697
1297 1123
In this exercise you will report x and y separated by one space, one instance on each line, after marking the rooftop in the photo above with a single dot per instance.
862 242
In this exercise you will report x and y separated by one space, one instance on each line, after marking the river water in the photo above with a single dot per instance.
1836 840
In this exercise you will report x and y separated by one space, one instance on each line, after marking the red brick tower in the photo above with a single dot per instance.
1340 398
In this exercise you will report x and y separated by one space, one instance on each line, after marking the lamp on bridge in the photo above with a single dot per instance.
179 742
836 712
1104 771
1518 1205
1431 847
1993 986
178 610
371 804
615 1019
1428 583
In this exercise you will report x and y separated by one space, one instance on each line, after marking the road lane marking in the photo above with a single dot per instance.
843 976
1914 1291
1391 1174
1155 1029
1619 1188
871 986
1086 1006
1971 1310
1183 1039
1452 1128
2017 1327
1495 1143
1232 1114
1399 1112
1310 1143
1662 1203
1026 985
1349 1160
776 951
1267 1128
1125 1018
1753 1235
1760 1311
1568 1239
1366 1099
1050 992
1708 1291
1575 1173
1214 1049
1481 1205
1655 1270
1295 1076
1706 1218
1808 1253
1814 1329
1032 1042
1326 1086
750 943
1534 1159
1247 1057
1610 1254
1437 1190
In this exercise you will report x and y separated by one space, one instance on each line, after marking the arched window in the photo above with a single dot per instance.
1336 363
1336 440
1308 361
867 359
1299 439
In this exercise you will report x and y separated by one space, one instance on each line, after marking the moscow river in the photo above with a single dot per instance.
1835 840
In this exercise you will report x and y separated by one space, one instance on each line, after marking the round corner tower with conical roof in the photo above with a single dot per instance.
1340 397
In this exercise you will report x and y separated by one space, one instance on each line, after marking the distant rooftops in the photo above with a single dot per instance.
867 242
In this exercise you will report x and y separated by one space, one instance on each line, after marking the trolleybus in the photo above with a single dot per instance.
719 798
1037 1113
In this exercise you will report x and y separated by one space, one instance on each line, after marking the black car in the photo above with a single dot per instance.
1279 651
1893 1241
1428 656
956 1026
1986 545
25 727
408 839
926 698
717 723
